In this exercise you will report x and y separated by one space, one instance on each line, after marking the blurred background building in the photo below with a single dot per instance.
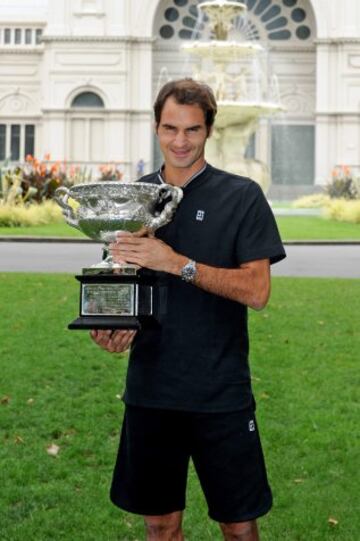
78 79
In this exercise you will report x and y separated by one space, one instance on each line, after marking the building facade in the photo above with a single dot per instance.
78 79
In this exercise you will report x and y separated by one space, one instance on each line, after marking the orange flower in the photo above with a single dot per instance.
47 156
29 158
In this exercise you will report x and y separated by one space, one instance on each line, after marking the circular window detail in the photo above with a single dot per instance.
194 11
298 15
250 4
274 11
188 34
171 14
303 32
289 3
166 31
281 35
180 3
189 22
277 23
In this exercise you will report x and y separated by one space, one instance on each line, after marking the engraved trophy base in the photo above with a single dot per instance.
113 300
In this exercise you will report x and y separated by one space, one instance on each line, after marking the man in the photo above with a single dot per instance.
188 391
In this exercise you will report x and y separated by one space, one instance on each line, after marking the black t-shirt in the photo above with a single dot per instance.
198 359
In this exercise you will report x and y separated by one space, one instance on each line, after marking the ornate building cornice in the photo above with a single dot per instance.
16 49
293 48
338 41
103 39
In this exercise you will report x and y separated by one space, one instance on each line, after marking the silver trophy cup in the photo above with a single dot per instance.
113 295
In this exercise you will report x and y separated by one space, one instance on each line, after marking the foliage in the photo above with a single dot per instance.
316 200
58 389
340 200
36 181
343 184
343 210
110 172
20 215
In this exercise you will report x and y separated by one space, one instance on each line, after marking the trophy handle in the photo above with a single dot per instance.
170 207
61 196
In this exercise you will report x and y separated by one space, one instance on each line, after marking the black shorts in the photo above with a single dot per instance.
155 448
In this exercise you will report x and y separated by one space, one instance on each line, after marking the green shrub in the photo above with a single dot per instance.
343 185
316 200
15 215
343 210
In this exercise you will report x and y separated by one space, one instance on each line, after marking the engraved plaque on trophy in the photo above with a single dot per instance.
113 295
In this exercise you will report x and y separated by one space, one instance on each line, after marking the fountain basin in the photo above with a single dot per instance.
231 113
222 51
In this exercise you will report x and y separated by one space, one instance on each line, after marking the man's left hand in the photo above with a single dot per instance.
147 252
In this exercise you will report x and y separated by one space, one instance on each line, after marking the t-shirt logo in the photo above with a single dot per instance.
200 215
251 426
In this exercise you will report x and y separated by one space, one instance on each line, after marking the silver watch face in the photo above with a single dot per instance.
188 272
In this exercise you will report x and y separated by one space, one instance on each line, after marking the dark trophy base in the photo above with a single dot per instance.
109 300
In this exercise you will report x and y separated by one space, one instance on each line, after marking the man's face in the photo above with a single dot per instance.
182 134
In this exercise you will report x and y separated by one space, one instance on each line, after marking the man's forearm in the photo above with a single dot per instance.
249 284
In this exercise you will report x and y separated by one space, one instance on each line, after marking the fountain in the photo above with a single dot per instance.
229 66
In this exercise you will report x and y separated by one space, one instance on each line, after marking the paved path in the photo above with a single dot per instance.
326 261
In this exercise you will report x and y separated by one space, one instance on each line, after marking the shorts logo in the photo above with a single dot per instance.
200 215
251 426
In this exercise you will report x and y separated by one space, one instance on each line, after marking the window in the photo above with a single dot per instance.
28 36
87 99
29 139
2 142
88 125
15 142
7 35
38 35
251 148
293 154
18 33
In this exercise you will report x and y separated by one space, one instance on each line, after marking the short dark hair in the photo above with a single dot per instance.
187 92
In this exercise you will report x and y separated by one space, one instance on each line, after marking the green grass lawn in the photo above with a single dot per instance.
316 228
57 387
50 230
291 228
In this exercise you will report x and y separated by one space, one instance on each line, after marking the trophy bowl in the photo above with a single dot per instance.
100 209
117 295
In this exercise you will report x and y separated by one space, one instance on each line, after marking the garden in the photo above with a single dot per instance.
27 207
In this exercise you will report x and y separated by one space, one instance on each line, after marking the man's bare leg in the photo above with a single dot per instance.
240 531
164 527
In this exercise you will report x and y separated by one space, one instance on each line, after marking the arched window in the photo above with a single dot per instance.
87 99
87 128
273 20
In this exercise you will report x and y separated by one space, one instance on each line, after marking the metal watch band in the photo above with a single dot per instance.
188 272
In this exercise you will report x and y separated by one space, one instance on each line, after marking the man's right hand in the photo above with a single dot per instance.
113 341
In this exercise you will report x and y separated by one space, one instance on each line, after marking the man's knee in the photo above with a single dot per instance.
240 531
164 526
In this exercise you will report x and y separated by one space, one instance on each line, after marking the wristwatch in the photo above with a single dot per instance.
188 272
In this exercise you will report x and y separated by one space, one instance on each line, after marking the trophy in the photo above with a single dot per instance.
115 295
